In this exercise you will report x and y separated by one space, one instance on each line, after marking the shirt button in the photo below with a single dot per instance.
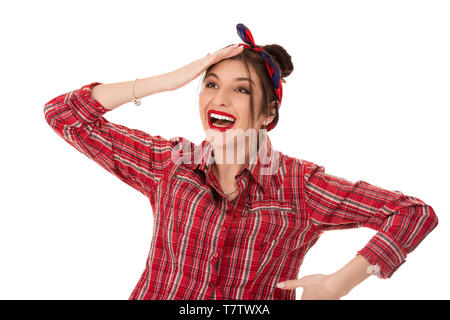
222 229
211 284
216 254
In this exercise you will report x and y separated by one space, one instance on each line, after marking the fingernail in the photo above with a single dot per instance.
281 285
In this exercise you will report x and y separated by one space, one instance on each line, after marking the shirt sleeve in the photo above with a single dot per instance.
135 157
401 221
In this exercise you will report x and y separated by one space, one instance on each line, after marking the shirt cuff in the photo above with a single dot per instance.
385 255
87 108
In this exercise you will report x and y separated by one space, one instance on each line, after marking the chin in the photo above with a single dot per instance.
220 138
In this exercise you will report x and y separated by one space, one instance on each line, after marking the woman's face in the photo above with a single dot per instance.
225 96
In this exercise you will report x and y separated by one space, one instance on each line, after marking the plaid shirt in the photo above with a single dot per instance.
207 247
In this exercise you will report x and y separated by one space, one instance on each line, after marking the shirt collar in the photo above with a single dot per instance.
263 165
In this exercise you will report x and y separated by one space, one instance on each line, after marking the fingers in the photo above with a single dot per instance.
224 53
312 279
236 46
232 48
236 50
231 45
290 284
232 51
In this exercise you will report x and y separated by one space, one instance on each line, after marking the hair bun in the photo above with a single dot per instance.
280 55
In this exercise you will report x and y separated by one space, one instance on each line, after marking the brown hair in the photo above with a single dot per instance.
282 60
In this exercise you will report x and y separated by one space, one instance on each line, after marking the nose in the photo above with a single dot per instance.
220 98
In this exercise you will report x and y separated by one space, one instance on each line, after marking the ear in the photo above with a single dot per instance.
272 111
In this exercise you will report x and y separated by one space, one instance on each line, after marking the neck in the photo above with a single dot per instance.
229 161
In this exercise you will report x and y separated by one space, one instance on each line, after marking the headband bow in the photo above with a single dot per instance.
245 34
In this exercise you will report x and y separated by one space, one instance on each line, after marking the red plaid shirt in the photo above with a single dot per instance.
207 247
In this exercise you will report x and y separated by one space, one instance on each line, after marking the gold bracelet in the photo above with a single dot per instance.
137 102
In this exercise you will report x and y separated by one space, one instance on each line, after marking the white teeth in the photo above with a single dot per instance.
221 117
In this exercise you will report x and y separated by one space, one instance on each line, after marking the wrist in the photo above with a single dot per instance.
336 282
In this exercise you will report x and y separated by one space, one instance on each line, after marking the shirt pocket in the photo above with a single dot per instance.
280 228
187 206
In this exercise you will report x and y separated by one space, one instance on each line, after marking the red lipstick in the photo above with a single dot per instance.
220 113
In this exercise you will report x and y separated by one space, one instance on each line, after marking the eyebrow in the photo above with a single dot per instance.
236 79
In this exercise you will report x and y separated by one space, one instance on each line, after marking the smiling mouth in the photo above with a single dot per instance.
221 121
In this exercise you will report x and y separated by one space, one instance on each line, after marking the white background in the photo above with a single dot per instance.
368 99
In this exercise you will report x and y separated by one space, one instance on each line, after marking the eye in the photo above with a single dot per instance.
240 88
246 91
207 85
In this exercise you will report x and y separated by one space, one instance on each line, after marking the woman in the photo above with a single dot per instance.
232 216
